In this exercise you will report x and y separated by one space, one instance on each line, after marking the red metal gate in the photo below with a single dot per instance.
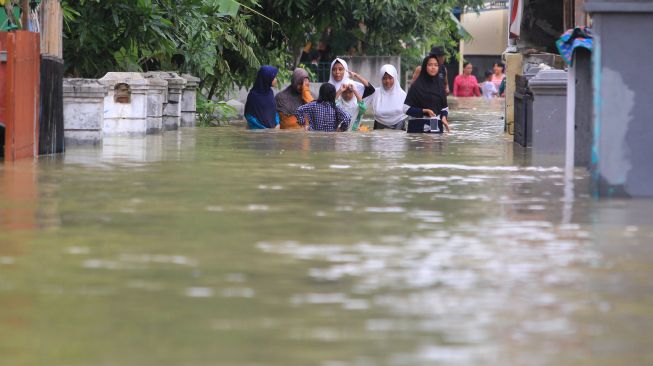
19 93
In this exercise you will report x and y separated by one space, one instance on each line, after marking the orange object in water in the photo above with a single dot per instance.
19 93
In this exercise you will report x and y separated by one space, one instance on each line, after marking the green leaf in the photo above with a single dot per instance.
116 21
228 7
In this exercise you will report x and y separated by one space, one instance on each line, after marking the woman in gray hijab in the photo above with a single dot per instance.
295 95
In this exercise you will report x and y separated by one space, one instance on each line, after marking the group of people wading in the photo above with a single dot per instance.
345 98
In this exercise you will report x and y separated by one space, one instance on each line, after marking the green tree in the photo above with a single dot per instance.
375 26
206 38
224 41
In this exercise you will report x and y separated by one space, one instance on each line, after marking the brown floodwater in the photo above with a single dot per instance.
221 246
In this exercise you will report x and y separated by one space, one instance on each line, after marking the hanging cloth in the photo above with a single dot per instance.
572 39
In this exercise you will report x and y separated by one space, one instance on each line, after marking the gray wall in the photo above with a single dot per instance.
623 140
369 66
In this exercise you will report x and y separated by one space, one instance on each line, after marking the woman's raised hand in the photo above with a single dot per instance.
354 75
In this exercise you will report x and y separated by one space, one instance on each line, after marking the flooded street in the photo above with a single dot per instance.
221 246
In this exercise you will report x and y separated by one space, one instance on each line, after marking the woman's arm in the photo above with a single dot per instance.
359 78
342 89
416 73
444 116
419 113
445 123
477 88
456 86
369 88
357 94
307 97
342 119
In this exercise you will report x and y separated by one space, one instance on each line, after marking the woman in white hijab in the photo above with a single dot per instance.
340 74
388 101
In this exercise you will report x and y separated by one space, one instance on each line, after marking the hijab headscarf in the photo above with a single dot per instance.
350 106
388 105
345 77
351 103
427 91
260 100
291 98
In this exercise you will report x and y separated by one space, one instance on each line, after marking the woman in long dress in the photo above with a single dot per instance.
260 108
387 102
427 97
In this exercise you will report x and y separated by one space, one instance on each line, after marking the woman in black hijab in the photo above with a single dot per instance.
426 97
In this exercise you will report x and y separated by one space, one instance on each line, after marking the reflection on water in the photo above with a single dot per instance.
230 247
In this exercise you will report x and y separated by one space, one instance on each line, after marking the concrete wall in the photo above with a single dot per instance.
514 63
489 30
622 123
369 66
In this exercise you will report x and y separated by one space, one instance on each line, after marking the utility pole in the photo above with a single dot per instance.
24 7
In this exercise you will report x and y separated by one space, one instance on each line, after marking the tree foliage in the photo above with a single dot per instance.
372 26
224 41
202 37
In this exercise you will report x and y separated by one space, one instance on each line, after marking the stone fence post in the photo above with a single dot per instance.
83 111
157 95
189 101
125 106
172 107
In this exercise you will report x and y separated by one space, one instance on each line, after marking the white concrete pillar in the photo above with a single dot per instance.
83 111
125 106
189 101
172 107
157 96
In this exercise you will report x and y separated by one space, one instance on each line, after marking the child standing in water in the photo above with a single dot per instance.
324 114
350 100
489 89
